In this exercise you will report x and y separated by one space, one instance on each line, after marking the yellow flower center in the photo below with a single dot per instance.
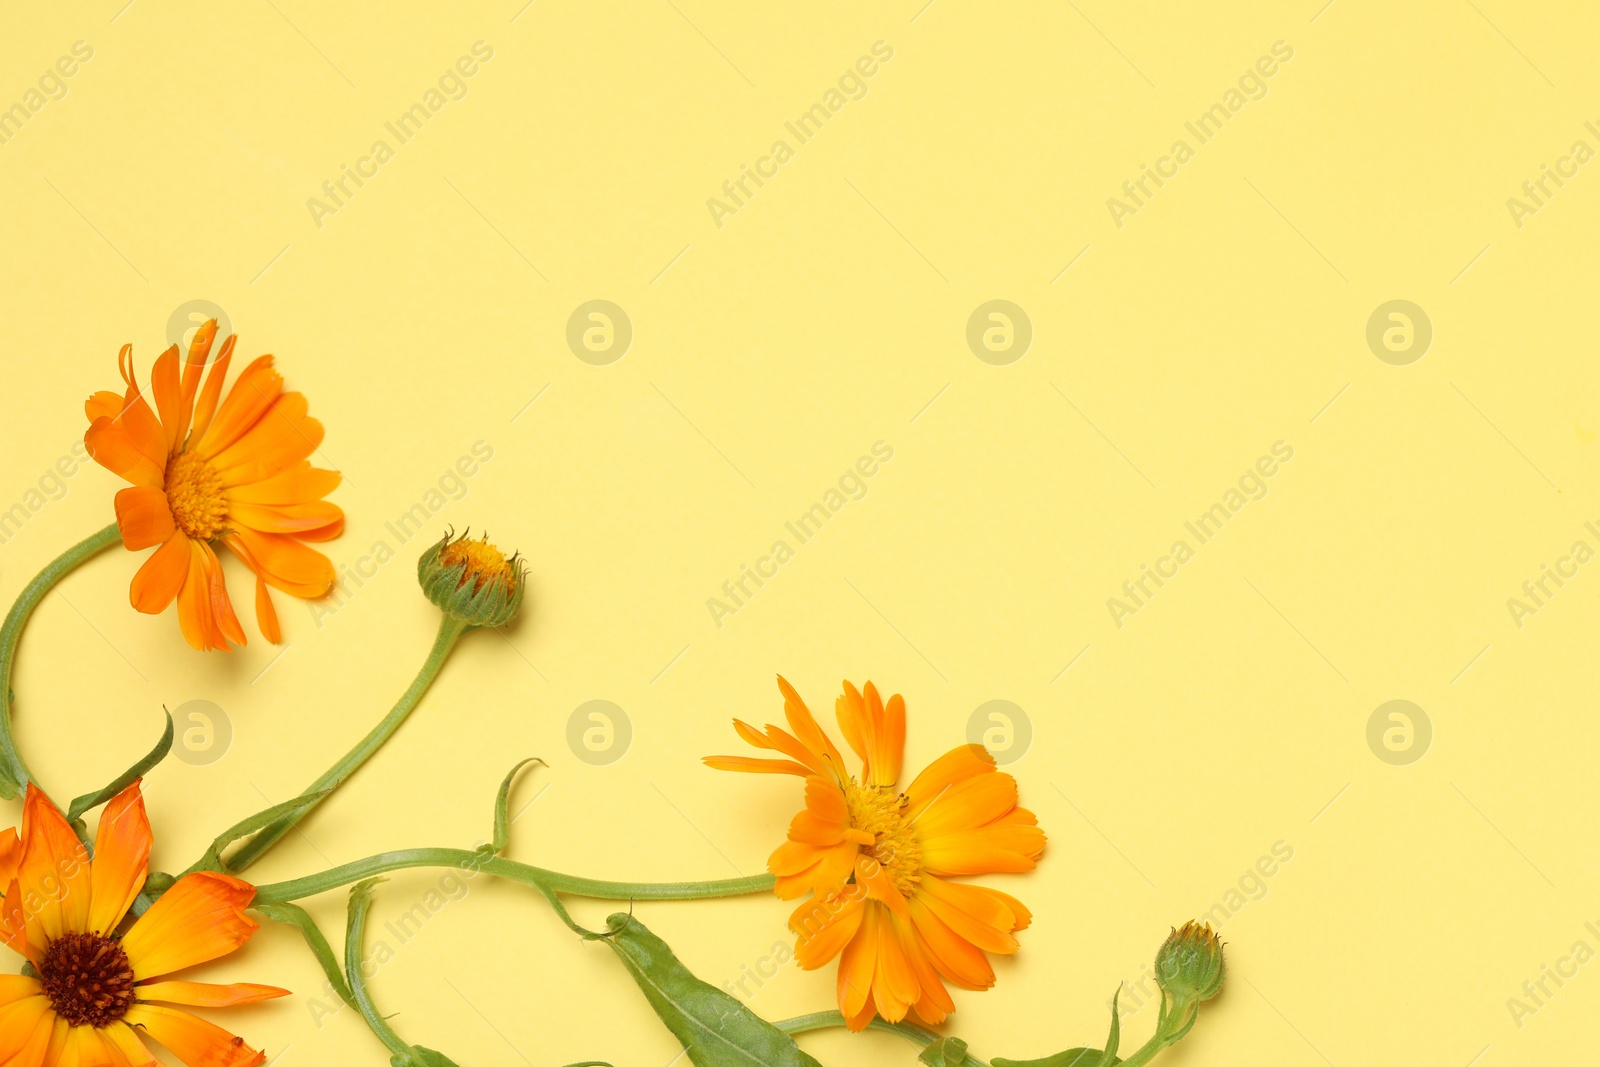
194 493
879 811
87 979
484 561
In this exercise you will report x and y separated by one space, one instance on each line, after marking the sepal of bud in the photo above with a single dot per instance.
472 581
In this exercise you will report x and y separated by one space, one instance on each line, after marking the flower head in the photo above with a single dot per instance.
876 862
1189 965
98 993
209 469
472 580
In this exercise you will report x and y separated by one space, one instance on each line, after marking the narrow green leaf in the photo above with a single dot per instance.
212 860
1080 1057
295 915
715 1028
1073 1057
945 1052
138 770
421 1057
502 806
1108 1058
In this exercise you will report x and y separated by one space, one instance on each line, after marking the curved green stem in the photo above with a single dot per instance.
14 776
450 631
538 877
354 961
825 1020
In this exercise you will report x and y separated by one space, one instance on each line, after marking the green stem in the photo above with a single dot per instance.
824 1020
13 770
538 877
354 939
450 631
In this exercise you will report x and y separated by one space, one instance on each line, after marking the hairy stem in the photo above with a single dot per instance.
824 1020
13 772
450 631
538 877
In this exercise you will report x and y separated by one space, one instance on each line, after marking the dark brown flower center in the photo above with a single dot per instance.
88 979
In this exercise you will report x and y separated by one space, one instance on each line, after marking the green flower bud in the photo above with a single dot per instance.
1189 965
472 580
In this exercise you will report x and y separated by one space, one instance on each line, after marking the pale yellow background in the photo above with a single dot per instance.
768 355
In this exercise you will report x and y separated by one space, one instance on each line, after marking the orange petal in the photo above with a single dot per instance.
111 447
143 516
193 1040
143 428
245 403
1002 849
808 732
281 438
120 1036
266 614
894 983
26 1025
877 734
935 1003
879 884
823 926
954 766
206 403
221 607
168 392
87 1047
954 957
193 365
856 964
54 873
284 562
199 919
10 854
121 859
285 518
968 805
951 906
15 987
14 924
195 616
103 404
162 576
755 765
297 485
207 995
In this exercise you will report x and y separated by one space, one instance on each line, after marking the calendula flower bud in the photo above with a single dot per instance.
472 580
1189 965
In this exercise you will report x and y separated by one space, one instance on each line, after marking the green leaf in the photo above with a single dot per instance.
422 1057
502 806
1073 1057
945 1052
91 800
1080 1057
715 1028
213 861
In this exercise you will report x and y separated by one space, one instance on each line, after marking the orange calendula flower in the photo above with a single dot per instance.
877 862
207 469
97 991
